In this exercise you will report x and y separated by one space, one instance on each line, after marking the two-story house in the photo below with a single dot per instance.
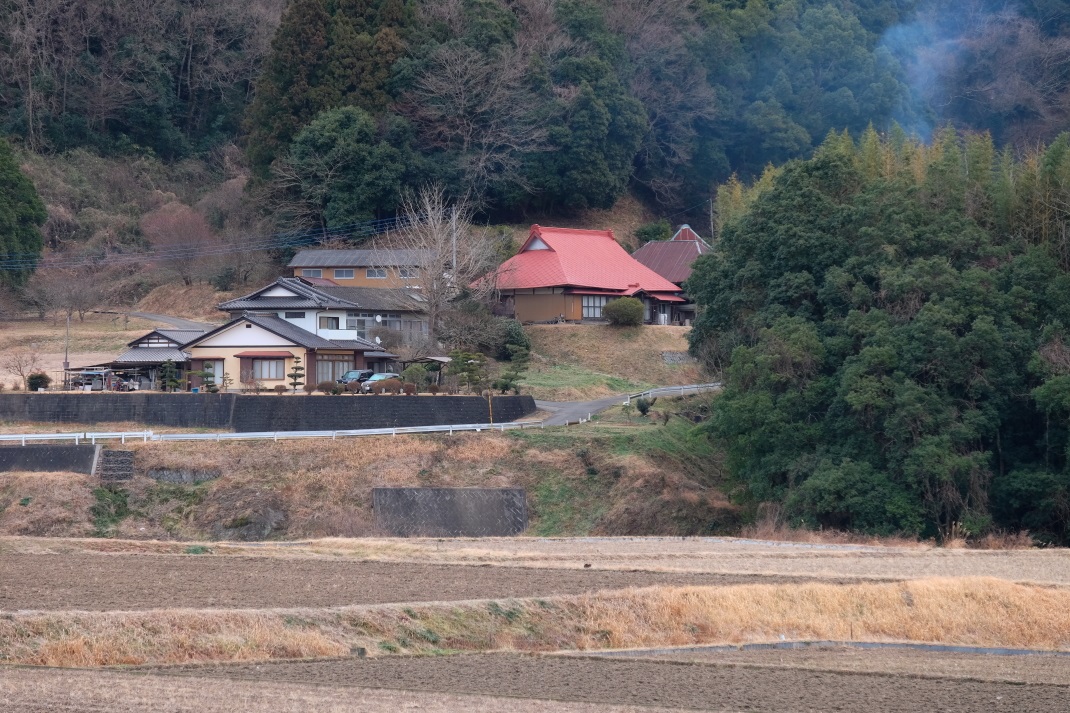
375 269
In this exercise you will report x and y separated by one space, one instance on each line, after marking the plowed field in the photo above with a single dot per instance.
100 582
688 686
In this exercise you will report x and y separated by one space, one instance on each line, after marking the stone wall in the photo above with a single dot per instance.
450 512
261 413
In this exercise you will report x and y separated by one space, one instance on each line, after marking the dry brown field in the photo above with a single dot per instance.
524 624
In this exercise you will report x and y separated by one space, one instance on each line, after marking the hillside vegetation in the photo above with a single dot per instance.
892 322
618 476
579 362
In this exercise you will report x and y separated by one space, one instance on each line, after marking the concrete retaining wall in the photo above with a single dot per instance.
334 413
450 512
37 458
261 413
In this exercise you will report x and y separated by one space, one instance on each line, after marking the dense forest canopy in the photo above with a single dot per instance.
893 322
530 105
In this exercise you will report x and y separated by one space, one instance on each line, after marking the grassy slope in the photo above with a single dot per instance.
573 362
617 476
950 611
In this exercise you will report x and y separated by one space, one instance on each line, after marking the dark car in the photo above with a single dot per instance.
357 375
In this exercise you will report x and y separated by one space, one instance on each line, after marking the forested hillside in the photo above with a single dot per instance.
893 321
544 106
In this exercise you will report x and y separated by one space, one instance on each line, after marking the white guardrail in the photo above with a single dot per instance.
145 436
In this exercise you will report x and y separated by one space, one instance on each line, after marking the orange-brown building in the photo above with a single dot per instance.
359 268
569 275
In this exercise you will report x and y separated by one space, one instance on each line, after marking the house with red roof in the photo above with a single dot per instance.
672 259
569 275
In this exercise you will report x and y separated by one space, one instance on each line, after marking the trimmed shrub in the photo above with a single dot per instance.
309 388
281 389
624 312
409 389
328 387
415 374
512 334
433 389
38 380
353 387
390 386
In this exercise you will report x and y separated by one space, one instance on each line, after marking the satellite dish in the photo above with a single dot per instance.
378 340
379 318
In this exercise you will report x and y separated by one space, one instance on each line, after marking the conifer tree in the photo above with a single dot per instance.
21 215
296 375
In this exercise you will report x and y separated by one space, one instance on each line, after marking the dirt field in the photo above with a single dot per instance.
1027 669
108 582
52 690
666 684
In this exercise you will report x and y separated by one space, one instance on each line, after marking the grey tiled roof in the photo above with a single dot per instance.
151 355
305 297
181 336
286 330
357 258
355 344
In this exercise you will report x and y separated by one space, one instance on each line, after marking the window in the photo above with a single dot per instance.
592 306
312 273
330 367
408 273
294 315
376 273
328 323
343 274
359 321
264 369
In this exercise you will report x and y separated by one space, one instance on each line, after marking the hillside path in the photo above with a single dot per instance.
563 412
176 322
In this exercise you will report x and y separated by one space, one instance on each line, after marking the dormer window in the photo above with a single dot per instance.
538 244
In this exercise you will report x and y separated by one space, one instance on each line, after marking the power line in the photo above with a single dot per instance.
24 261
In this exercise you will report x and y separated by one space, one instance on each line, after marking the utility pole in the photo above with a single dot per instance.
453 231
66 356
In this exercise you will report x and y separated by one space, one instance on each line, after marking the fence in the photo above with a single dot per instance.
146 436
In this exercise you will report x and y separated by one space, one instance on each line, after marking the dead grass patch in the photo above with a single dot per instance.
968 611
196 302
43 504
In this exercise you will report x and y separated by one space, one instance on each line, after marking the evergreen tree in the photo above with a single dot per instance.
21 216
290 91
296 375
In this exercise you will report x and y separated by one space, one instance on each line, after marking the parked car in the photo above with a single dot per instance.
366 387
357 375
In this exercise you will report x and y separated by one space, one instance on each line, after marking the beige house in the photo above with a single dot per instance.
378 269
262 349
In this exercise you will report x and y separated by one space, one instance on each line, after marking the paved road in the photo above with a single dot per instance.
562 413
176 322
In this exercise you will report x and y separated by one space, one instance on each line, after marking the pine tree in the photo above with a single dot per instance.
296 375
21 215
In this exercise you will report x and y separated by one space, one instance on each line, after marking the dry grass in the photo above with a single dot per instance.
46 504
322 488
968 611
197 302
575 362
101 337
32 689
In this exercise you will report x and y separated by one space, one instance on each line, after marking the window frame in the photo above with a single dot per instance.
408 273
328 318
339 273
592 305
311 272
264 368
293 315
379 273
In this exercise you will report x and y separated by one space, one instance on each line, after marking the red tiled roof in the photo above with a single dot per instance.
671 259
578 258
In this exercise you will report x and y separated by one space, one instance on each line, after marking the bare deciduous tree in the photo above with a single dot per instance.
451 255
177 232
481 108
21 362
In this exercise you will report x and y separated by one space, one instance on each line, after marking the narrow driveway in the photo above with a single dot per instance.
563 412
176 322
